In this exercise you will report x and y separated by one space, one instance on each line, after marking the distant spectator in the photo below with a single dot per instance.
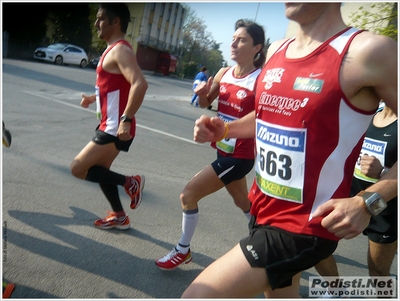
200 77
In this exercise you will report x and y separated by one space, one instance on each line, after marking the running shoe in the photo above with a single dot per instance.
8 288
6 137
173 259
135 190
112 221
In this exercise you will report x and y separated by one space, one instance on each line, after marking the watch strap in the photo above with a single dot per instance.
125 118
361 194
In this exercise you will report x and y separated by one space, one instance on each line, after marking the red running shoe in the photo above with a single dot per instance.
112 221
173 259
8 288
135 190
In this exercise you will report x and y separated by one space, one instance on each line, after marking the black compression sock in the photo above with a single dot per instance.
111 193
100 174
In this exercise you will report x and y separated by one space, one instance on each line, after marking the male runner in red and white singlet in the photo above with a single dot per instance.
314 100
120 89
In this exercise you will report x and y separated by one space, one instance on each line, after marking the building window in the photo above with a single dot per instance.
149 33
169 15
181 22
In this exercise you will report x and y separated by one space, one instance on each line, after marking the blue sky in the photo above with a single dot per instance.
220 18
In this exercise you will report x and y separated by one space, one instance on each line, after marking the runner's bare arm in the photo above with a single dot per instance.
375 57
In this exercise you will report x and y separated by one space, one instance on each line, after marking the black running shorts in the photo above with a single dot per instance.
382 229
283 254
230 169
104 138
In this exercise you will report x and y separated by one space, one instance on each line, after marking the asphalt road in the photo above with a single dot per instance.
50 247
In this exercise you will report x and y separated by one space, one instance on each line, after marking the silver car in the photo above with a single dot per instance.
61 53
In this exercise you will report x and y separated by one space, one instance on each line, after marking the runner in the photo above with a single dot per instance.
120 89
235 157
315 99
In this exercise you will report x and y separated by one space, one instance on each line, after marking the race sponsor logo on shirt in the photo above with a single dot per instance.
273 76
277 103
308 84
241 94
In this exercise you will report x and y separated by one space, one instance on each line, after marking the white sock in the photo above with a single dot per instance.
189 224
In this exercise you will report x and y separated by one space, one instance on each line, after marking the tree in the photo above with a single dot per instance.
380 18
28 25
215 59
22 24
71 24
25 29
267 43
98 45
197 47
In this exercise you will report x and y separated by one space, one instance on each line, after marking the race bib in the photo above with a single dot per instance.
226 145
373 148
280 161
98 108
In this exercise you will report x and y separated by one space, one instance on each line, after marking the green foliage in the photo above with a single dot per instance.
98 45
26 28
198 48
189 69
22 24
31 25
71 24
381 19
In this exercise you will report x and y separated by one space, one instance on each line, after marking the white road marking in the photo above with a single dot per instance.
94 112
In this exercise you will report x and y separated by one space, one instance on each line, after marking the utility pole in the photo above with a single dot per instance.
258 6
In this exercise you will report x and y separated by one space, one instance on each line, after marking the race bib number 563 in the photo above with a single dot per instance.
280 161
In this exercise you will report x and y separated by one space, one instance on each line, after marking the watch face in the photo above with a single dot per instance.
376 204
125 118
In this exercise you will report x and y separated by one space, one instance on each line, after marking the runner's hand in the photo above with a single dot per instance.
348 217
203 88
370 166
208 129
87 100
124 131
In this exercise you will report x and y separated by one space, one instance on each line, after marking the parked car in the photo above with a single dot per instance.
93 62
61 53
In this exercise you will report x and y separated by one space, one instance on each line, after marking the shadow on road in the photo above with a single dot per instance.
98 258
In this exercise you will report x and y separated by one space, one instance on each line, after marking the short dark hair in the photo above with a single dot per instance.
120 10
202 69
257 34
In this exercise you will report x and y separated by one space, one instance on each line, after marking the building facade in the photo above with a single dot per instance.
155 34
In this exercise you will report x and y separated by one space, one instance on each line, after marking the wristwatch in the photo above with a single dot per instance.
125 118
374 203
